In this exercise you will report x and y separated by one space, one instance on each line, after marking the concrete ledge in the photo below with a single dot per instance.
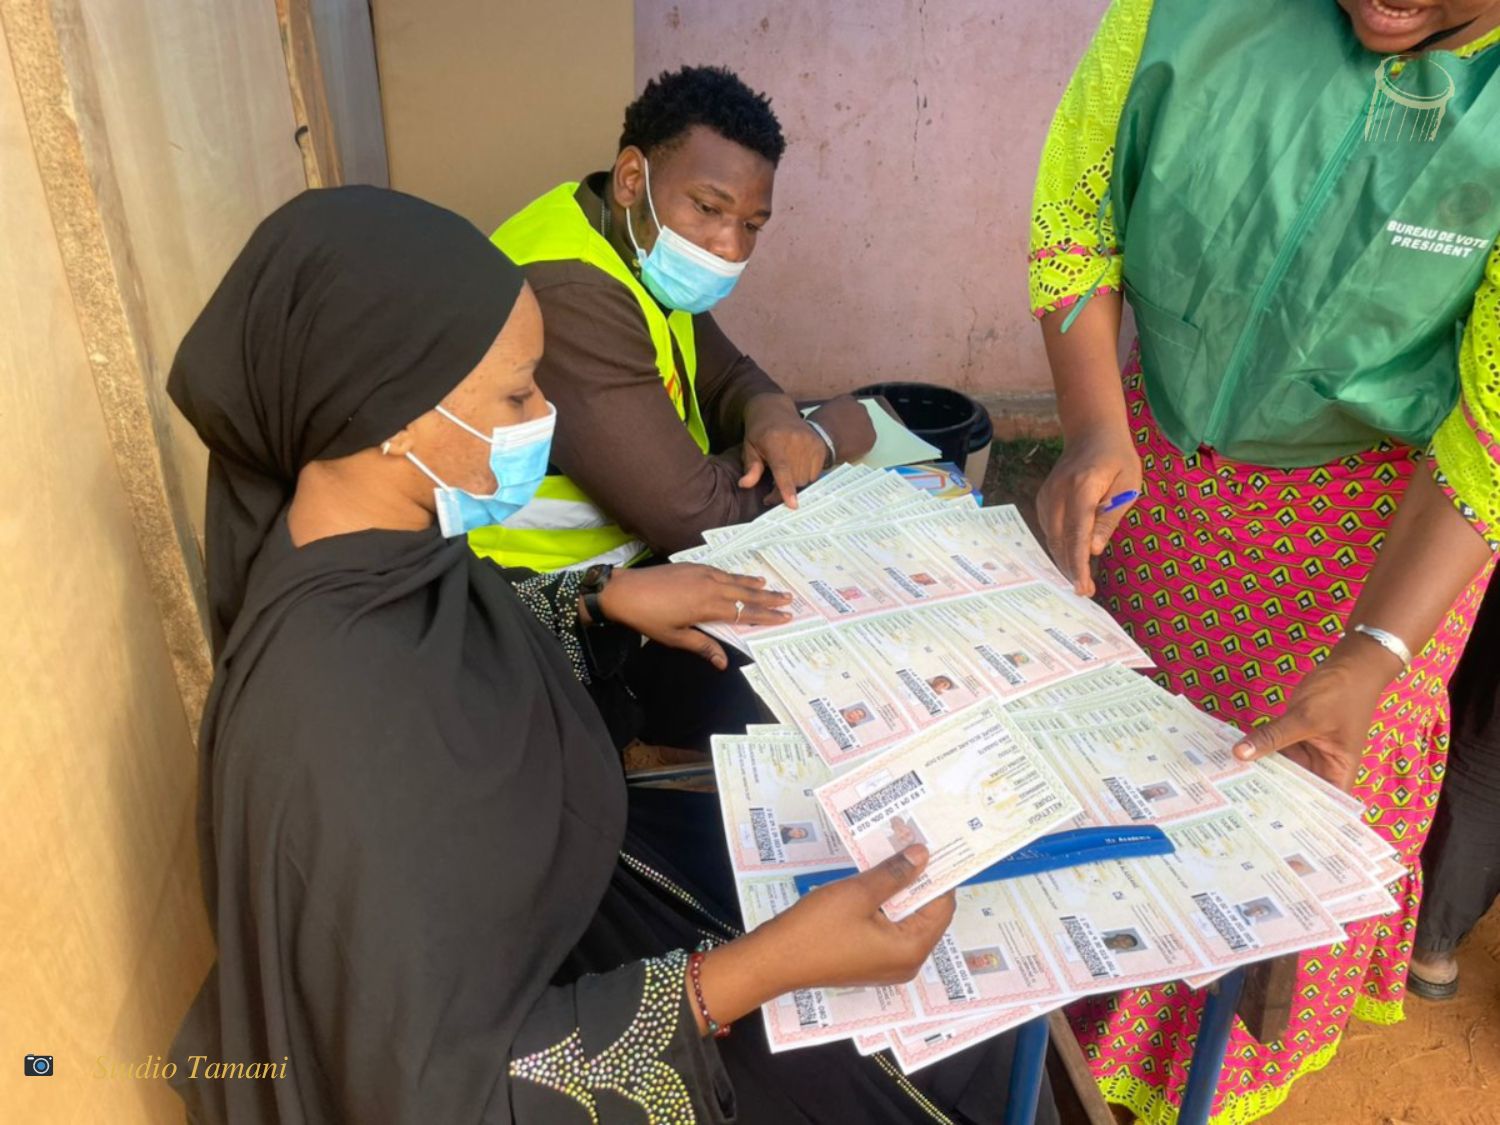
1022 415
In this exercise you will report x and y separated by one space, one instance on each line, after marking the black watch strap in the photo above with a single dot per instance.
595 578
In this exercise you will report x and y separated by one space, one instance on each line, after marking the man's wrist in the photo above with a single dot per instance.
833 452
770 406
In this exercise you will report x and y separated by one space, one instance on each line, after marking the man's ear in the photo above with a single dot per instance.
630 176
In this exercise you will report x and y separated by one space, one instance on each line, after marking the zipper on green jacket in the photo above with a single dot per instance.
1239 358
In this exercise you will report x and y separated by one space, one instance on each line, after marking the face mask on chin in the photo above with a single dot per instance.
680 273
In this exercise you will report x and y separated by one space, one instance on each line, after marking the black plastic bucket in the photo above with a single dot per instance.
949 419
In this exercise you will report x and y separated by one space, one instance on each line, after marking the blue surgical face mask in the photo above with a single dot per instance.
679 273
518 458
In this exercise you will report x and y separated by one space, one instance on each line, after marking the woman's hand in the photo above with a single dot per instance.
1430 554
1327 722
665 602
837 937
1093 468
834 937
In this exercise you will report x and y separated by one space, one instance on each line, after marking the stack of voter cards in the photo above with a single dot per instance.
942 685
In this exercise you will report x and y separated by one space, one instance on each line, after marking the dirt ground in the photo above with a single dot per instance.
1442 1065
1016 471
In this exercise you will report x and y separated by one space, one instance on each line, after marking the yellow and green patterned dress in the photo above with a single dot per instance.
1238 578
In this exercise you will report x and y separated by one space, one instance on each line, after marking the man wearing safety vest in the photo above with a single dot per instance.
664 428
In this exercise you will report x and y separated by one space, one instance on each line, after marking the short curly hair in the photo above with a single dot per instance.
714 96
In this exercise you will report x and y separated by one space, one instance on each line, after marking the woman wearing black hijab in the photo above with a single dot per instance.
431 902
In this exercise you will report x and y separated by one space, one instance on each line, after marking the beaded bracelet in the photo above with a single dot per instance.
695 969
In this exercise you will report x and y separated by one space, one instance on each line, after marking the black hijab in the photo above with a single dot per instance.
408 810
349 313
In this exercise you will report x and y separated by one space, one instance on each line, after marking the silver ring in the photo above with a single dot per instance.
739 608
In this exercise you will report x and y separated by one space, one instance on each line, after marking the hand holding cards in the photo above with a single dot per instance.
971 789
833 989
942 686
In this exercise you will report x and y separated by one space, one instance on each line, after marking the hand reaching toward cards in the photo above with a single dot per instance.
1327 721
834 937
779 441
1101 464
665 602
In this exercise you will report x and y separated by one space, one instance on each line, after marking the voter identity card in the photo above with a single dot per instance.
972 789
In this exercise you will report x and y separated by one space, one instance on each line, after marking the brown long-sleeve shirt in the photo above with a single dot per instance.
618 436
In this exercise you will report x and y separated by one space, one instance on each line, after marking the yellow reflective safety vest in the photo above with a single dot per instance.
562 529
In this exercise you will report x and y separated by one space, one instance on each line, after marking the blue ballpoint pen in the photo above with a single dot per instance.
1119 500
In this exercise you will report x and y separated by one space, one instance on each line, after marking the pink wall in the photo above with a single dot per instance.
898 246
